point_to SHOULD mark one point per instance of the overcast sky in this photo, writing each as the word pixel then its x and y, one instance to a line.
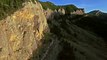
pixel 88 5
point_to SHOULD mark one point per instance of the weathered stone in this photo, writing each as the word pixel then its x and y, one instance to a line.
pixel 61 11
pixel 48 13
pixel 21 32
pixel 78 12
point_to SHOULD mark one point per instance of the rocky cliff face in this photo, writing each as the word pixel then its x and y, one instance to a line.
pixel 21 33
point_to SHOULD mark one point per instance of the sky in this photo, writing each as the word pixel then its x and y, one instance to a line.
pixel 88 5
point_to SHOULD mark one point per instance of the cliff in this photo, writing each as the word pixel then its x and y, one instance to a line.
pixel 21 33
pixel 32 33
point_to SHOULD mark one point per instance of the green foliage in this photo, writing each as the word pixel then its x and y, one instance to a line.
pixel 7 7
pixel 68 8
pixel 48 4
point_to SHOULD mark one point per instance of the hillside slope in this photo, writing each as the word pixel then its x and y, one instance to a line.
pixel 67 41
pixel 28 35
pixel 75 42
pixel 93 23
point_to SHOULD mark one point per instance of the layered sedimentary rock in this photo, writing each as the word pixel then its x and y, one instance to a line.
pixel 21 33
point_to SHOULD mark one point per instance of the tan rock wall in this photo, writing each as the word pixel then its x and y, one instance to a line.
pixel 21 33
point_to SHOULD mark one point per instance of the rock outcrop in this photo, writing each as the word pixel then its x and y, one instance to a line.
pixel 48 13
pixel 78 12
pixel 21 33
pixel 61 11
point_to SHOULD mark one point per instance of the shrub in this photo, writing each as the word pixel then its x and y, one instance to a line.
pixel 7 7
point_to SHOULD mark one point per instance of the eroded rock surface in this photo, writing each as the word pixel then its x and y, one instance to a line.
pixel 21 33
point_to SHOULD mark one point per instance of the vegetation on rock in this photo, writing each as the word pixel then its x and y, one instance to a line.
pixel 8 7
pixel 68 8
